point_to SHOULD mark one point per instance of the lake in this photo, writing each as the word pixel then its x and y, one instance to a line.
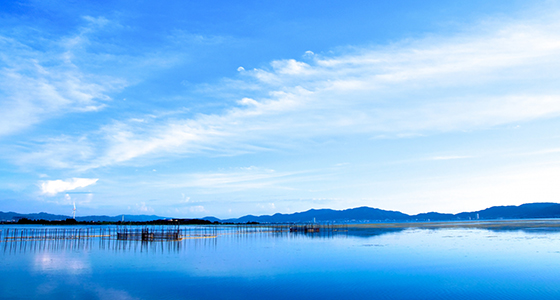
pixel 223 263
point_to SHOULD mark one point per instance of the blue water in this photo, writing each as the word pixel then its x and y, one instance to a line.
pixel 405 264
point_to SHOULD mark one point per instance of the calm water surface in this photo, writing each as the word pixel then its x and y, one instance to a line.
pixel 366 264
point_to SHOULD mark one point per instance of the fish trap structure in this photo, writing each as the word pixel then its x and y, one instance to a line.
pixel 305 228
pixel 149 234
pixel 318 230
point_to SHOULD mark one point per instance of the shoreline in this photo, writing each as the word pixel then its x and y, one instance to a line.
pixel 478 224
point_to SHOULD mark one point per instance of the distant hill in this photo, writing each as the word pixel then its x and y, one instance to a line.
pixel 524 211
pixel 354 215
pixel 211 219
pixel 132 218
pixel 368 214
pixel 9 216
pixel 327 215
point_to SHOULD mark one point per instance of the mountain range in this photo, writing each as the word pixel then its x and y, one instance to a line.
pixel 368 214
pixel 353 215
pixel 9 216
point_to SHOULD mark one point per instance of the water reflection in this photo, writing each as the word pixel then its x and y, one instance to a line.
pixel 46 262
pixel 15 240
pixel 103 244
pixel 267 263
pixel 130 239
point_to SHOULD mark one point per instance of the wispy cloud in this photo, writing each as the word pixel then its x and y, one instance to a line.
pixel 63 152
pixel 449 157
pixel 543 152
pixel 238 179
pixel 37 84
pixel 497 73
pixel 143 208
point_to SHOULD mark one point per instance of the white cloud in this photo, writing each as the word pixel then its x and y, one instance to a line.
pixel 238 179
pixel 197 209
pixel 268 206
pixel 53 187
pixel 37 85
pixel 99 21
pixel 290 67
pixel 308 53
pixel 543 152
pixel 143 208
pixel 63 152
pixel 248 102
pixel 499 73
pixel 67 199
pixel 450 157
pixel 241 179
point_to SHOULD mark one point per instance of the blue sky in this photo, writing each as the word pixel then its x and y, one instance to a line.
pixel 228 108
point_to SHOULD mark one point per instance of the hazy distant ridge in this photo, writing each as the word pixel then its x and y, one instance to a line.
pixel 327 215
pixel 7 216
pixel 359 214
pixel 364 214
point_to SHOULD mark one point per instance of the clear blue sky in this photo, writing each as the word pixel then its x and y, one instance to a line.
pixel 228 108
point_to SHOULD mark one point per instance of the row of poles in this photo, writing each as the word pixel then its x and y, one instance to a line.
pixel 14 240
pixel 41 246
pixel 156 232
pixel 54 233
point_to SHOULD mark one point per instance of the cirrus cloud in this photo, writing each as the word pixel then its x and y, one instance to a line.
pixel 475 80
pixel 496 73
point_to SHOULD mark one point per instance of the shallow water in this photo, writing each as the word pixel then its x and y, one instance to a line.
pixel 372 264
